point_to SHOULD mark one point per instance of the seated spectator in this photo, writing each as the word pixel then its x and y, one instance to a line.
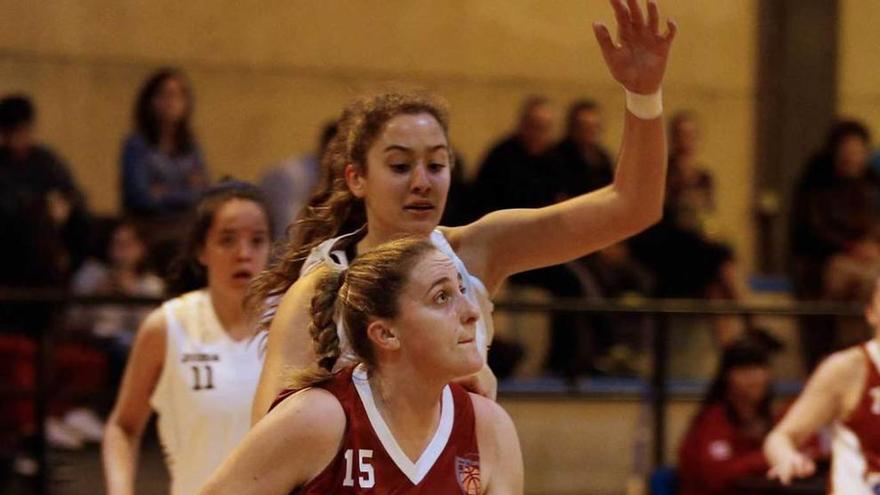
pixel 519 172
pixel 834 217
pixel 288 185
pixel 690 189
pixel 43 214
pixel 583 164
pixel 515 172
pixel 122 271
pixel 724 440
pixel 45 226
pixel 681 249
pixel 162 168
pixel 617 339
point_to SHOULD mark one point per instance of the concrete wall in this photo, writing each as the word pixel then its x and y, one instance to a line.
pixel 266 74
pixel 588 446
pixel 859 49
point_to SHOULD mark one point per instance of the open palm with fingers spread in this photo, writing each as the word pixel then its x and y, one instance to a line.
pixel 637 60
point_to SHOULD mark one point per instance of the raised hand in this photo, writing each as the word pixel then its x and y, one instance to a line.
pixel 794 465
pixel 638 59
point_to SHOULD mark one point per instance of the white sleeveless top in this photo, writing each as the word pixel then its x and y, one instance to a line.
pixel 204 394
pixel 327 254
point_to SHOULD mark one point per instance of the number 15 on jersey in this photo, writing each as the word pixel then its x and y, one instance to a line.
pixel 366 477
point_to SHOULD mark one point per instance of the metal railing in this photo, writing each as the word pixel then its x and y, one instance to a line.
pixel 660 309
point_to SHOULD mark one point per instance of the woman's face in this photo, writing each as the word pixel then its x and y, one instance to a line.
pixel 686 136
pixel 126 248
pixel 171 101
pixel 436 323
pixel 236 245
pixel 406 180
pixel 852 157
pixel 748 384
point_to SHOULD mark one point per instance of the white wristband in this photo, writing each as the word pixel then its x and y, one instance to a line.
pixel 645 107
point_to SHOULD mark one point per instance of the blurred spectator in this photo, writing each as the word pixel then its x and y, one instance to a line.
pixel 680 249
pixel 108 330
pixel 121 271
pixel 43 214
pixel 288 185
pixel 45 228
pixel 519 172
pixel 78 372
pixel 583 164
pixel 515 173
pixel 163 171
pixel 162 166
pixel 690 190
pixel 833 218
pixel 617 340
pixel 723 443
pixel 459 201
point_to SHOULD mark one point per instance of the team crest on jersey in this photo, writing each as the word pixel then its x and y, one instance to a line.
pixel 467 471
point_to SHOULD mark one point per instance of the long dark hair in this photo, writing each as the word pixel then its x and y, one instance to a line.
pixel 187 273
pixel 746 351
pixel 146 120
pixel 819 170
pixel 333 209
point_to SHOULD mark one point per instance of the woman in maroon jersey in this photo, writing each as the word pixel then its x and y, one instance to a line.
pixel 394 423
pixel 843 393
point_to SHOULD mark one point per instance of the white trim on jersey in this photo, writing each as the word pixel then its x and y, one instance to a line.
pixel 873 349
pixel 415 472
pixel 847 463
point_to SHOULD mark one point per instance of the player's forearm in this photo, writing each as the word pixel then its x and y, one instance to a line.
pixel 120 456
pixel 640 178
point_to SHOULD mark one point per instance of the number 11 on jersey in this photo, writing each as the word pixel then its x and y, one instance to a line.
pixel 365 478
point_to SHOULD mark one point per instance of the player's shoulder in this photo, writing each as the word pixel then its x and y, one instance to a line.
pixel 154 327
pixel 842 366
pixel 489 415
pixel 315 412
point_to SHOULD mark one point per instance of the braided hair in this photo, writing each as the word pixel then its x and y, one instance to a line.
pixel 368 290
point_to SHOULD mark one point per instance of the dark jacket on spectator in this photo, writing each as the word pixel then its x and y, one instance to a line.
pixel 577 174
pixel 511 178
pixel 831 214
pixel 35 250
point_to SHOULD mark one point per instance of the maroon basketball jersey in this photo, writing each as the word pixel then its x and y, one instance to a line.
pixel 855 466
pixel 371 462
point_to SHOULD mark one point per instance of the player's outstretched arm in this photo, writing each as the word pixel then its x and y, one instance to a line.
pixel 501 465
pixel 289 447
pixel 511 241
pixel 818 405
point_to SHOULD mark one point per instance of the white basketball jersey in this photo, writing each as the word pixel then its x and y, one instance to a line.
pixel 204 394
pixel 328 254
